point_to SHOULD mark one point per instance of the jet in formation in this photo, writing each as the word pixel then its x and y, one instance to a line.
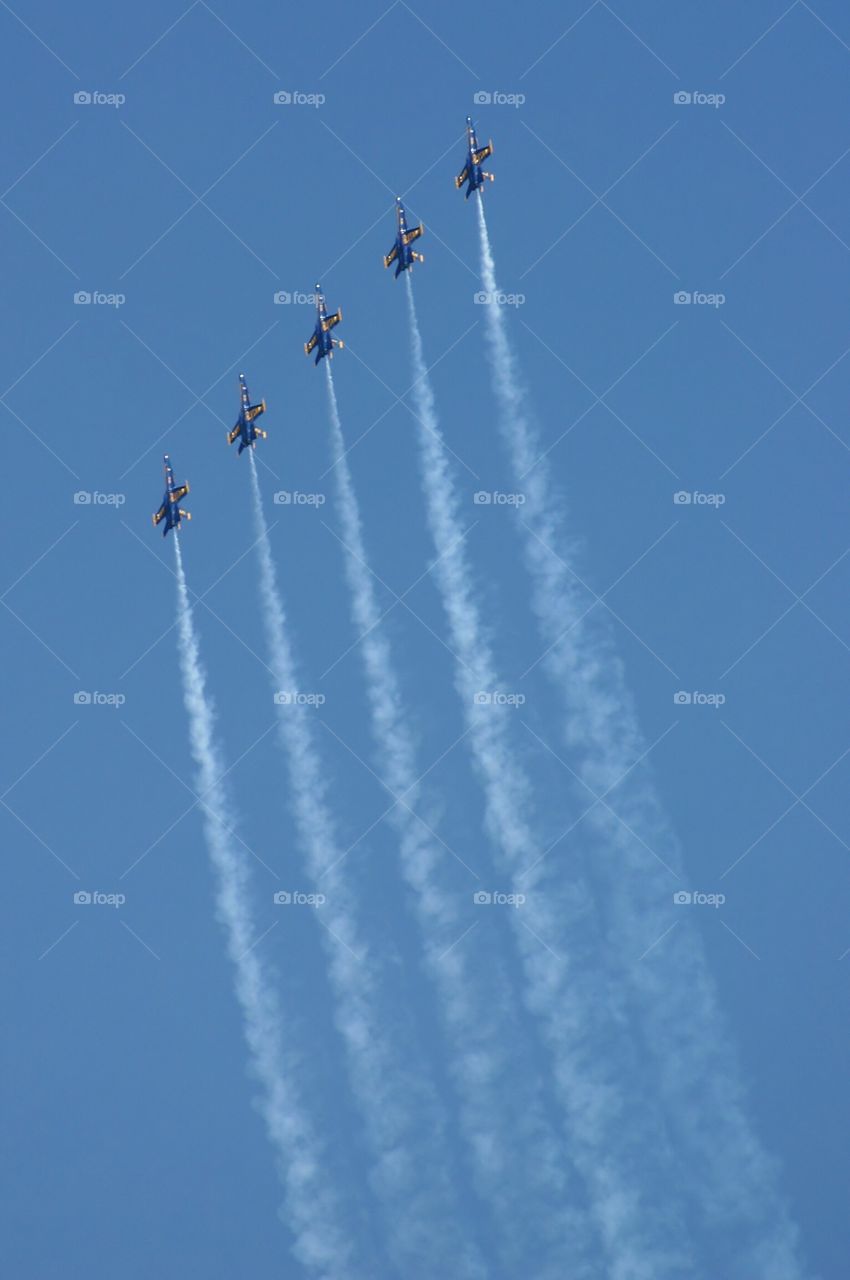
pixel 401 253
pixel 322 337
pixel 245 431
pixel 472 172
pixel 171 511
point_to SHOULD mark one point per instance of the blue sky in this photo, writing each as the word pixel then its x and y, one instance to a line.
pixel 197 199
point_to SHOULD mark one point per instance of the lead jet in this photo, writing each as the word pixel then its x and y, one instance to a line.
pixel 472 171
pixel 322 333
pixel 171 511
pixel 401 253
pixel 245 430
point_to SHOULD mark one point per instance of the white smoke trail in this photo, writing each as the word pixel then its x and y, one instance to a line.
pixel 520 1168
pixel 730 1180
pixel 642 1239
pixel 405 1126
pixel 312 1211
pixel 613 1150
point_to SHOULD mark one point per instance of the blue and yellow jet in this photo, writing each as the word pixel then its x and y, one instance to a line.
pixel 475 155
pixel 245 430
pixel 171 511
pixel 322 333
pixel 401 253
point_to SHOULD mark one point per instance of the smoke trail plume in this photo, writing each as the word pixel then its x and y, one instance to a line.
pixel 518 1165
pixel 311 1210
pixel 612 1147
pixel 730 1180
pixel 404 1124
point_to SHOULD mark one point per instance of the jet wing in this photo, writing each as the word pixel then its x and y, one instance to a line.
pixel 255 410
pixel 234 434
pixel 482 153
pixel 462 177
pixel 308 346
pixel 391 256
pixel 160 515
pixel 413 233
pixel 330 321
pixel 177 494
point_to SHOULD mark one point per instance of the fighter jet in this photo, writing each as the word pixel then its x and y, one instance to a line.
pixel 170 511
pixel 245 430
pixel 322 333
pixel 401 253
pixel 472 171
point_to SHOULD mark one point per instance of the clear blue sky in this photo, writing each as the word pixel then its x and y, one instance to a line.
pixel 129 1117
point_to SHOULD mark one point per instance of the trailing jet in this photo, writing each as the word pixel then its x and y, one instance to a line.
pixel 472 171
pixel 401 253
pixel 170 511
pixel 322 333
pixel 245 430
